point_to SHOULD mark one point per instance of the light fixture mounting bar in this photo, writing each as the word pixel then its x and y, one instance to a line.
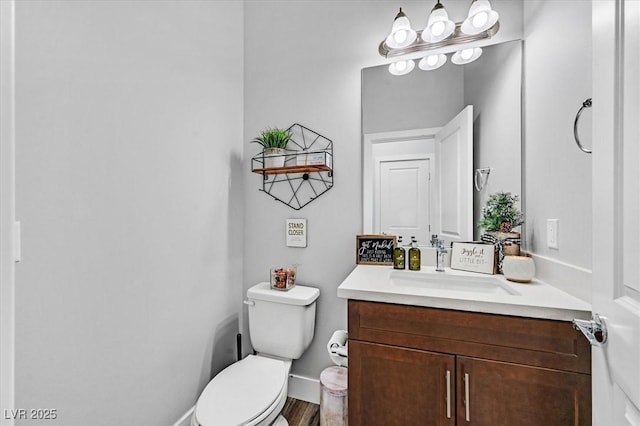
pixel 419 45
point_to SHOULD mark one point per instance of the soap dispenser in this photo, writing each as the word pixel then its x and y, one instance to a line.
pixel 414 255
pixel 399 255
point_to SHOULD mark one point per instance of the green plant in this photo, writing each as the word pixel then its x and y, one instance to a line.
pixel 500 213
pixel 273 138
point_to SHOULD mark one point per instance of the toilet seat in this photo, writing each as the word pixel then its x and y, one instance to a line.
pixel 242 392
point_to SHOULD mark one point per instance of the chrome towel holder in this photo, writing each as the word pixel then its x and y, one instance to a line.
pixel 586 104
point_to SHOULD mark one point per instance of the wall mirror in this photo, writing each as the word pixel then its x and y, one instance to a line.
pixel 437 143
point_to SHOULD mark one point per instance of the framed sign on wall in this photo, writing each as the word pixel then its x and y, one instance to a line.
pixel 296 232
pixel 375 249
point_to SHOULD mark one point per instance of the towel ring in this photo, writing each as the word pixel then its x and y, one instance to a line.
pixel 586 104
pixel 480 178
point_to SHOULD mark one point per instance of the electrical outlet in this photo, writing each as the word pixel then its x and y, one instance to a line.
pixel 552 233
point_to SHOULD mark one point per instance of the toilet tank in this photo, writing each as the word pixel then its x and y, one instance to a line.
pixel 282 323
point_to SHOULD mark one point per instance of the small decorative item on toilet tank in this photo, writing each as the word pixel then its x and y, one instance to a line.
pixel 283 278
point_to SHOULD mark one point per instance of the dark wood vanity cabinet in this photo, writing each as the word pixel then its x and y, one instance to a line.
pixel 421 366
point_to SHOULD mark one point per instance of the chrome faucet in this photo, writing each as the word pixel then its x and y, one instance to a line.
pixel 441 250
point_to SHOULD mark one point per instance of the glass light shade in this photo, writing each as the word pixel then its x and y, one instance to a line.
pixel 439 26
pixel 402 35
pixel 466 56
pixel 432 62
pixel 480 18
pixel 402 67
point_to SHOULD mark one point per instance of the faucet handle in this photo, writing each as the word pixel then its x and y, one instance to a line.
pixel 441 247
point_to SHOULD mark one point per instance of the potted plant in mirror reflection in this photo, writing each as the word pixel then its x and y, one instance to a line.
pixel 499 217
pixel 274 143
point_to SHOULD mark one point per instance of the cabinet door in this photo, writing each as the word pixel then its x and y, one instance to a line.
pixel 397 386
pixel 499 393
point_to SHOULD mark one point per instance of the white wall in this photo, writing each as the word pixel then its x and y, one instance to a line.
pixel 309 72
pixel 557 67
pixel 420 99
pixel 493 85
pixel 129 151
pixel 308 75
pixel 7 210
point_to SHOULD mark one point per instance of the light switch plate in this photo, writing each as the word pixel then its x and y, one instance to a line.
pixel 552 233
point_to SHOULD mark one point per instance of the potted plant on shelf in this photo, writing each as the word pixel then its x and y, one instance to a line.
pixel 274 143
pixel 499 216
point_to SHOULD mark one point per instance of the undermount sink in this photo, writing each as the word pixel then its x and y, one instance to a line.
pixel 451 282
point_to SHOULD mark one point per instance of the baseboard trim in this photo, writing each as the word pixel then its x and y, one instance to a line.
pixel 569 278
pixel 185 420
pixel 304 388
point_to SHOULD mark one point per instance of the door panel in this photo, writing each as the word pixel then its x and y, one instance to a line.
pixel 501 393
pixel 454 155
pixel 397 386
pixel 616 209
pixel 404 198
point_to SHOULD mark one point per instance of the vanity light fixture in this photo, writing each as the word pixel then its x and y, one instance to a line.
pixel 402 67
pixel 439 26
pixel 401 35
pixel 432 62
pixel 481 17
pixel 481 23
pixel 466 56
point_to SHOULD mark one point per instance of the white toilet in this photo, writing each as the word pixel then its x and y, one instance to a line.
pixel 253 391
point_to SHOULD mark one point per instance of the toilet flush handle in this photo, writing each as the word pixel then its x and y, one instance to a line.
pixel 249 302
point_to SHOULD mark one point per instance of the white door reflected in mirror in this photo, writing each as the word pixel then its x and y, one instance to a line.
pixel 420 181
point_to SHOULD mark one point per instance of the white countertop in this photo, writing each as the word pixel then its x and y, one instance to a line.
pixel 534 300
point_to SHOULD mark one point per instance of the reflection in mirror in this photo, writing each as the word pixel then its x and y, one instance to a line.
pixel 419 160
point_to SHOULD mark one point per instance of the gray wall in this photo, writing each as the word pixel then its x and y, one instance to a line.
pixel 558 174
pixel 493 85
pixel 311 73
pixel 418 100
pixel 129 151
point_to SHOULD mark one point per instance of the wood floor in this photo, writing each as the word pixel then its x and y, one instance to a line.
pixel 301 413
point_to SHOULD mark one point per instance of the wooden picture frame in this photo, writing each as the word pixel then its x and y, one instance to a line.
pixel 474 257
pixel 374 249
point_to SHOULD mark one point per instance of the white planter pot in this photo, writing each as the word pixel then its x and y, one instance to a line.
pixel 274 157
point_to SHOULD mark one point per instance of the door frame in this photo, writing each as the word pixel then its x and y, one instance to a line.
pixel 369 168
pixel 7 208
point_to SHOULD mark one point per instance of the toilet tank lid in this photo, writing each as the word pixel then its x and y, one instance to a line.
pixel 298 295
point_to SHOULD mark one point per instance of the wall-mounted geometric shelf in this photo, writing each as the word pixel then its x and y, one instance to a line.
pixel 307 172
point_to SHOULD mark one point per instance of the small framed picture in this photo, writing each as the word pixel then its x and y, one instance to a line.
pixel 375 249
pixel 473 257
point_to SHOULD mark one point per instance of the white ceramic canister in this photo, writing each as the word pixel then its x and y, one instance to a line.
pixel 520 269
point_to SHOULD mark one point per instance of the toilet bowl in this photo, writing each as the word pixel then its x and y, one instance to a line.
pixel 250 392
pixel 253 391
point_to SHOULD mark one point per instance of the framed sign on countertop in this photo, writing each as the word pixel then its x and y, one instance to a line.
pixel 375 249
pixel 473 257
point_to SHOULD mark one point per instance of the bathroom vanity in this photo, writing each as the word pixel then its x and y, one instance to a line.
pixel 498 354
